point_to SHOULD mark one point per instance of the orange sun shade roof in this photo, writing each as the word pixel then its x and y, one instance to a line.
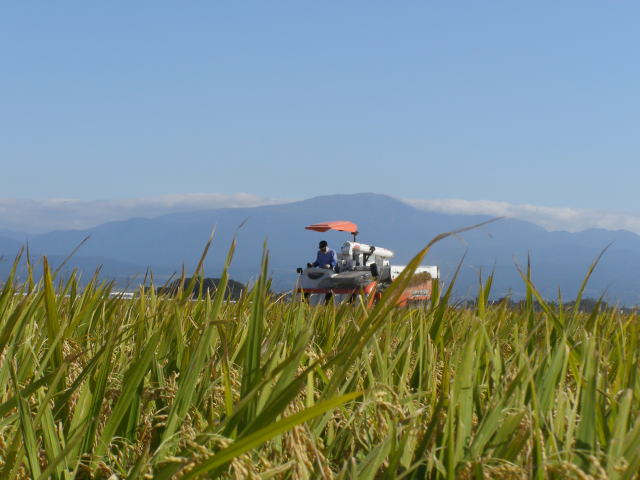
pixel 340 225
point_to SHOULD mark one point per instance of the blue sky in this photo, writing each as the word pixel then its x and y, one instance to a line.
pixel 534 103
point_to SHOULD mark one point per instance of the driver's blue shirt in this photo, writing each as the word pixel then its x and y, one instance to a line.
pixel 327 258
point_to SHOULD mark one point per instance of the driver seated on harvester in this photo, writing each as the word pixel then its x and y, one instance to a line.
pixel 326 258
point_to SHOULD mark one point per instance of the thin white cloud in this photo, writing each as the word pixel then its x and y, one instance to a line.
pixel 551 218
pixel 36 216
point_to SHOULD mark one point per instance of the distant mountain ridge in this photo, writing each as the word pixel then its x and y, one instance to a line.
pixel 166 243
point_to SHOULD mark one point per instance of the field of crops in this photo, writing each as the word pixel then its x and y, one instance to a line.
pixel 159 387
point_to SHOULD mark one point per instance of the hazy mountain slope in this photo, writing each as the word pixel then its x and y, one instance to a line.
pixel 9 246
pixel 13 235
pixel 124 273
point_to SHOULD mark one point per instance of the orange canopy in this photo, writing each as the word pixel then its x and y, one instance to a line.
pixel 340 225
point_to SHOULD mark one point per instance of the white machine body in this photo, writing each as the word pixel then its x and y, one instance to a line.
pixel 433 270
pixel 356 254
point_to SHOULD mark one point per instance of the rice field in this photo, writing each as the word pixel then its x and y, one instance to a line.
pixel 167 387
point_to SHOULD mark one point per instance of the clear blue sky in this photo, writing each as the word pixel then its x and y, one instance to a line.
pixel 524 102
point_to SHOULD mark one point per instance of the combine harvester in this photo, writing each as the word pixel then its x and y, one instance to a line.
pixel 362 269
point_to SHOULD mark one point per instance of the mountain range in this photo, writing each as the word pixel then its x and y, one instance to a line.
pixel 166 244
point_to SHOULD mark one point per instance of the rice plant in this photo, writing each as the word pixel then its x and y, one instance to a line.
pixel 96 386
